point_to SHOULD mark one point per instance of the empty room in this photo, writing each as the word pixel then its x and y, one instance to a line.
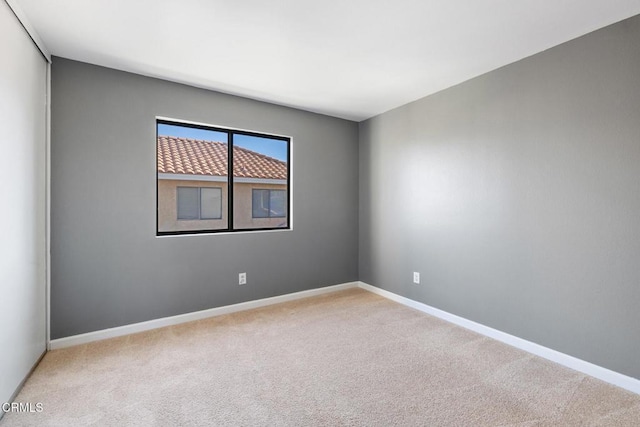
pixel 320 213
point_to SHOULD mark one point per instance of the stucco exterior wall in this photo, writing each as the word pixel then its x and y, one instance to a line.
pixel 242 207
pixel 168 207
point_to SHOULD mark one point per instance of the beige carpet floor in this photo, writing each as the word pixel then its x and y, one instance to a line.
pixel 348 358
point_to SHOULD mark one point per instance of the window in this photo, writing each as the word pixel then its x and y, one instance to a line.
pixel 199 203
pixel 197 194
pixel 269 203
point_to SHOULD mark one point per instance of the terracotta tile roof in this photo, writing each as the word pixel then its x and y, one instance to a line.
pixel 196 157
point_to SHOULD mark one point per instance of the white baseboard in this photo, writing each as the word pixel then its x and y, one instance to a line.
pixel 189 317
pixel 604 374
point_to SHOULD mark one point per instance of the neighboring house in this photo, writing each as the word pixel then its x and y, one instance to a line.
pixel 192 187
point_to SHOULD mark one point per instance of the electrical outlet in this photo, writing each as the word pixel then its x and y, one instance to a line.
pixel 242 279
pixel 416 277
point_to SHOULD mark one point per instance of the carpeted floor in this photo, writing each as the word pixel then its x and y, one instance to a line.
pixel 347 358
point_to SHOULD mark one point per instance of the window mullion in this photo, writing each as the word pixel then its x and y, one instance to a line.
pixel 230 181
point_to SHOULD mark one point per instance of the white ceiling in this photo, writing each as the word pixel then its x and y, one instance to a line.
pixel 351 58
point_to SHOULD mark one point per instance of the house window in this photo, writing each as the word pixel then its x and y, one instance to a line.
pixel 269 203
pixel 196 193
pixel 199 202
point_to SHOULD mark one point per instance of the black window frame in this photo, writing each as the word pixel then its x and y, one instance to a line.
pixel 230 179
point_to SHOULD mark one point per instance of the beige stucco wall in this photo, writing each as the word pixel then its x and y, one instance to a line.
pixel 168 207
pixel 242 209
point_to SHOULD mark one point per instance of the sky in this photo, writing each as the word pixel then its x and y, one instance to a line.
pixel 270 147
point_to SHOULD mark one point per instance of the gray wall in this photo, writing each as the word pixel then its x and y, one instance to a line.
pixel 23 84
pixel 517 196
pixel 109 269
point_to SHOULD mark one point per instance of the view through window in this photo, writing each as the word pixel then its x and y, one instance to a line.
pixel 197 194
